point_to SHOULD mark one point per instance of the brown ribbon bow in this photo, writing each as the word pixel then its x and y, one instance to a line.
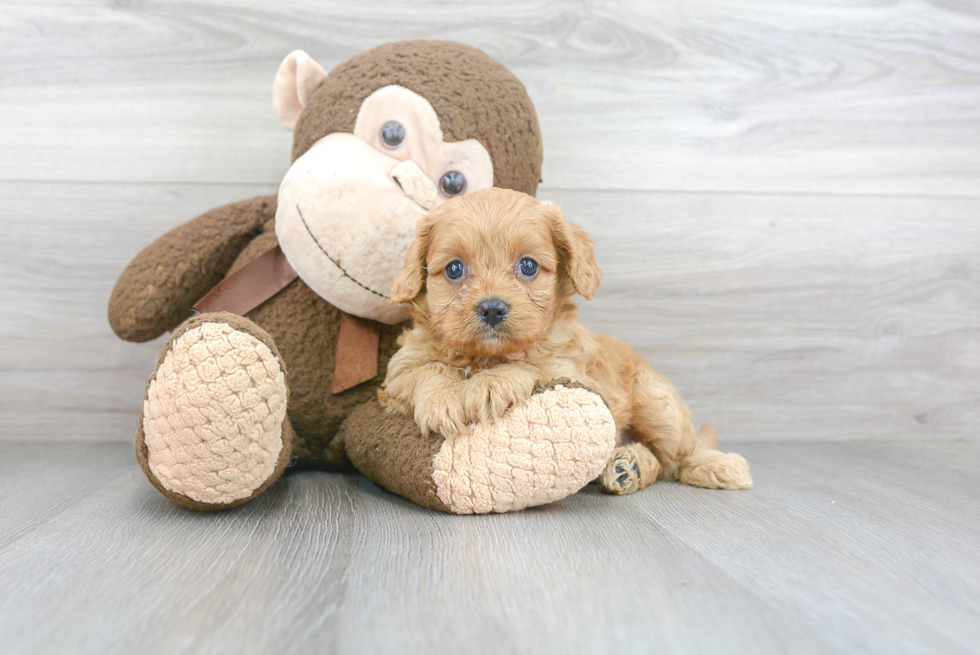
pixel 356 359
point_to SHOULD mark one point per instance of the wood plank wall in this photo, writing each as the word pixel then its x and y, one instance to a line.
pixel 785 194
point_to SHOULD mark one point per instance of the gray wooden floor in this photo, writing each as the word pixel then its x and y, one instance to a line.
pixel 846 547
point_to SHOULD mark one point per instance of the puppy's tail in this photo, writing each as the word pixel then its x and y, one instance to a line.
pixel 708 437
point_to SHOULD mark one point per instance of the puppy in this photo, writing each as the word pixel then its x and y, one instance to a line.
pixel 491 277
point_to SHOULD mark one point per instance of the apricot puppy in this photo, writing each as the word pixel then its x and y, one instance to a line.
pixel 491 277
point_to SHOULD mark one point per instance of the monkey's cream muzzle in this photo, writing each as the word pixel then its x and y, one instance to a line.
pixel 349 206
pixel 345 224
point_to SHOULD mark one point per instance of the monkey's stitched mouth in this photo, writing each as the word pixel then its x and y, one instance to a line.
pixel 334 261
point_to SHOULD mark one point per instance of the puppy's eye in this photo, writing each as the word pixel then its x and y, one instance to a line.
pixel 392 134
pixel 455 270
pixel 528 267
pixel 452 183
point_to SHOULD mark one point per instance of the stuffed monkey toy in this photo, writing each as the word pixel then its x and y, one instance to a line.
pixel 293 330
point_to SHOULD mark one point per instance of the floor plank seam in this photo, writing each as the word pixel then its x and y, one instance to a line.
pixel 63 507
pixel 542 190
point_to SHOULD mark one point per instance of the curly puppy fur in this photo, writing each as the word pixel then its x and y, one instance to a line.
pixel 489 326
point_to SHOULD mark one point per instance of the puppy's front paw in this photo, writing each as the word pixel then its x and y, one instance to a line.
pixel 487 396
pixel 442 413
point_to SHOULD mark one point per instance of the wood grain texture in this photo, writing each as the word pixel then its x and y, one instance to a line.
pixel 63 374
pixel 40 480
pixel 785 201
pixel 845 548
pixel 872 97
pixel 778 317
pixel 799 317
pixel 872 539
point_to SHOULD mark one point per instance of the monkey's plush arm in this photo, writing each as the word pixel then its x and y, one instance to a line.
pixel 160 286
pixel 539 451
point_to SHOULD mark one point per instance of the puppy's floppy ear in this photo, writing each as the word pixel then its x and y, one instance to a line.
pixel 408 283
pixel 576 250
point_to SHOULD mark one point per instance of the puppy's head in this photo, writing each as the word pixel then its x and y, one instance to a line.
pixel 490 272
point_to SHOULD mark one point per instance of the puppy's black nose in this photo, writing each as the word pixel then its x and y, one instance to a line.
pixel 492 311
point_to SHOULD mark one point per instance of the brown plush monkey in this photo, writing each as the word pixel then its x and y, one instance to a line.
pixel 291 370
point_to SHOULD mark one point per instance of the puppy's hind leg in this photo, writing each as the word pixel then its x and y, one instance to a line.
pixel 662 422
pixel 713 469
pixel 629 469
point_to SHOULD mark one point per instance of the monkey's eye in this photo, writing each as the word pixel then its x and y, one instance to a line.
pixel 452 183
pixel 455 270
pixel 392 134
pixel 528 267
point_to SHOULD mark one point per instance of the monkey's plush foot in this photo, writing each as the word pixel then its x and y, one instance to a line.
pixel 629 469
pixel 538 452
pixel 214 432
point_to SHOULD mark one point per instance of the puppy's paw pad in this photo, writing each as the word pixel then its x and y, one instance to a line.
pixel 622 473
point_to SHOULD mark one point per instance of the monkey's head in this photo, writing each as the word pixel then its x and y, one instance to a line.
pixel 379 142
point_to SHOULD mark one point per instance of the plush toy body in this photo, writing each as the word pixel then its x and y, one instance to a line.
pixel 294 371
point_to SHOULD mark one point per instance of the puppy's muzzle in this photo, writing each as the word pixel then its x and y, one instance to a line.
pixel 492 311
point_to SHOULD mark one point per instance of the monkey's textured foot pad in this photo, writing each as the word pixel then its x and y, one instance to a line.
pixel 213 415
pixel 537 453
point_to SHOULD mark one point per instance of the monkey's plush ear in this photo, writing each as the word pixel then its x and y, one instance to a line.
pixel 408 283
pixel 298 76
pixel 576 250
